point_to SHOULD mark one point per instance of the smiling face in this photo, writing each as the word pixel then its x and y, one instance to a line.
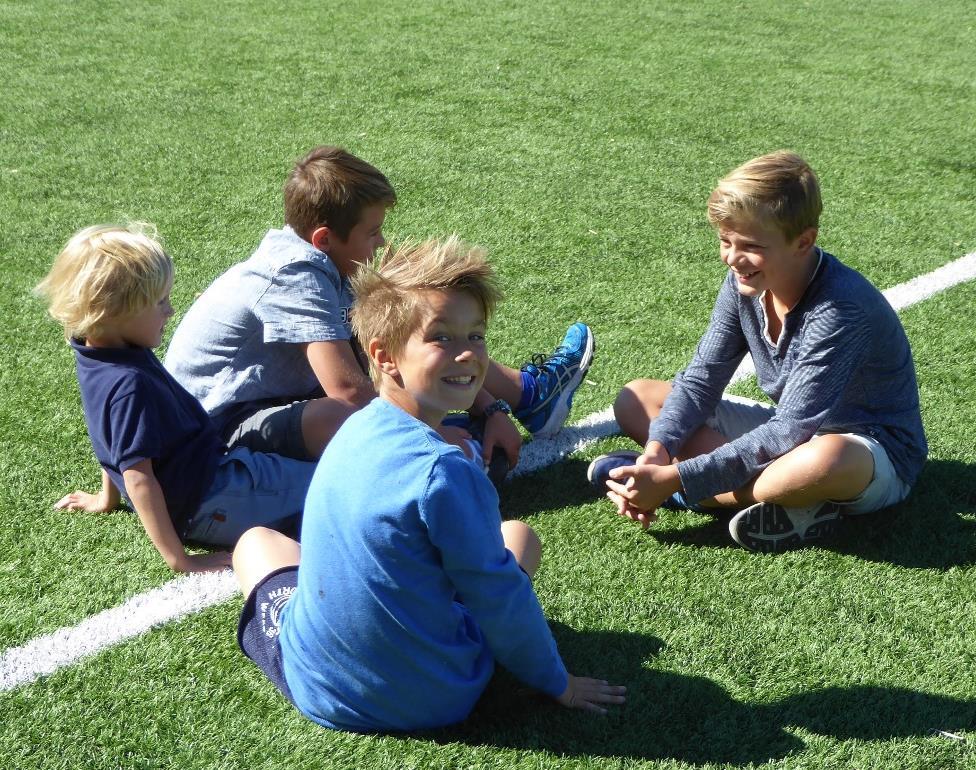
pixel 443 363
pixel 762 259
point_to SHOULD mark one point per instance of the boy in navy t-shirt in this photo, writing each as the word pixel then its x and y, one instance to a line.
pixel 410 587
pixel 109 287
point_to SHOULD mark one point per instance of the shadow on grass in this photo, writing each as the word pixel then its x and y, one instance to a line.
pixel 927 531
pixel 689 719
pixel 562 485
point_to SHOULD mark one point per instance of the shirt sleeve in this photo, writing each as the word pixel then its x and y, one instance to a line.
pixel 135 428
pixel 834 343
pixel 697 390
pixel 461 513
pixel 305 303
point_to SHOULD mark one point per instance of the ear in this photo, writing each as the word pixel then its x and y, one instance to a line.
pixel 805 240
pixel 321 238
pixel 381 358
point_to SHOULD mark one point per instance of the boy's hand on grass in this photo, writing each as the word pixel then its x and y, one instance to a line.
pixel 501 431
pixel 590 694
pixel 79 500
pixel 203 562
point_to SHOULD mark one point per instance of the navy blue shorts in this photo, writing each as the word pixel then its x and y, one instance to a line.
pixel 257 632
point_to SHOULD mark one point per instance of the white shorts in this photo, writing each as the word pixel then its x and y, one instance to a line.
pixel 736 415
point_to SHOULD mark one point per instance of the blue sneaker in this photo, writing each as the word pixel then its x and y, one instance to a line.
pixel 598 473
pixel 557 378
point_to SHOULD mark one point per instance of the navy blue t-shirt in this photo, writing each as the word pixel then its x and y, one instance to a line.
pixel 135 411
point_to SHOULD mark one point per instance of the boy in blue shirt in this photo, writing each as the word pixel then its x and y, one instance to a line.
pixel 406 587
pixel 845 436
pixel 109 288
pixel 271 336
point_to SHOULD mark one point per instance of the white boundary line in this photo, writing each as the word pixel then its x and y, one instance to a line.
pixel 192 593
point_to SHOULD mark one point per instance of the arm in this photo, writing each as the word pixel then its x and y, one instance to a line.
pixel 147 498
pixel 696 391
pixel 106 500
pixel 338 372
pixel 829 350
pixel 638 490
pixel 462 521
pixel 500 431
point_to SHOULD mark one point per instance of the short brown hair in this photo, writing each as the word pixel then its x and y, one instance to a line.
pixel 779 189
pixel 330 187
pixel 390 295
pixel 105 272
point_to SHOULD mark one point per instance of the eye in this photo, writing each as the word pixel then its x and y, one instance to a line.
pixel 476 337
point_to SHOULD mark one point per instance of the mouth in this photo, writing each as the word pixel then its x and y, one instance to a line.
pixel 462 380
pixel 744 276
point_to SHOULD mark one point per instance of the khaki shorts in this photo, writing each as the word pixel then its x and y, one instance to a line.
pixel 736 415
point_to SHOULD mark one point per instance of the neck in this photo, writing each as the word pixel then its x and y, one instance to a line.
pixel 784 300
pixel 402 400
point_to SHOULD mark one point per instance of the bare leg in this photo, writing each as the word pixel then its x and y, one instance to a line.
pixel 504 382
pixel 524 544
pixel 640 402
pixel 637 404
pixel 828 467
pixel 321 419
pixel 259 552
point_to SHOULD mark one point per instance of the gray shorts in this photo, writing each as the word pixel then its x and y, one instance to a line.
pixel 736 415
pixel 275 429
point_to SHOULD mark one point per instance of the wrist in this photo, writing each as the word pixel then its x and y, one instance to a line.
pixel 498 406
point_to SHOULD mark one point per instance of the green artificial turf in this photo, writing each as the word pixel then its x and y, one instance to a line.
pixel 578 143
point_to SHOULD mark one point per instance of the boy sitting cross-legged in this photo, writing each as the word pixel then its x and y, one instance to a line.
pixel 269 351
pixel 845 435
pixel 109 288
pixel 407 587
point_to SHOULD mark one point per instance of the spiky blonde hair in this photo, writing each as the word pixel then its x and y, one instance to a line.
pixel 390 295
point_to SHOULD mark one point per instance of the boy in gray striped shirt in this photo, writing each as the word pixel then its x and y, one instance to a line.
pixel 845 435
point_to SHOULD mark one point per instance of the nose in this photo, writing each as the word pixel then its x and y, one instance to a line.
pixel 729 255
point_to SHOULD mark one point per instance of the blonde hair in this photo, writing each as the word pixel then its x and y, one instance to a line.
pixel 778 189
pixel 390 294
pixel 105 271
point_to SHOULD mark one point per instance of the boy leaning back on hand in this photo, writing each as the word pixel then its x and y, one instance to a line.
pixel 109 288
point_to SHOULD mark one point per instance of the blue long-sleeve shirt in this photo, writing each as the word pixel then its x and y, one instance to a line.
pixel 842 364
pixel 406 594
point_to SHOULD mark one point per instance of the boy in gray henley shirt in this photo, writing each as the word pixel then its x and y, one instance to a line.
pixel 845 435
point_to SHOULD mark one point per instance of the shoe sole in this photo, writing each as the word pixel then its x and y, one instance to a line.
pixel 564 401
pixel 766 528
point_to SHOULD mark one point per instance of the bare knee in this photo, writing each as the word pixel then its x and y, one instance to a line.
pixel 259 552
pixel 524 544
pixel 321 418
pixel 637 404
pixel 828 467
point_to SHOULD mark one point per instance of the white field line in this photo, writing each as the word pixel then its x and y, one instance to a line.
pixel 193 593
pixel 598 425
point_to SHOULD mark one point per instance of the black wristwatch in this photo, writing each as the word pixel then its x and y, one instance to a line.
pixel 497 406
